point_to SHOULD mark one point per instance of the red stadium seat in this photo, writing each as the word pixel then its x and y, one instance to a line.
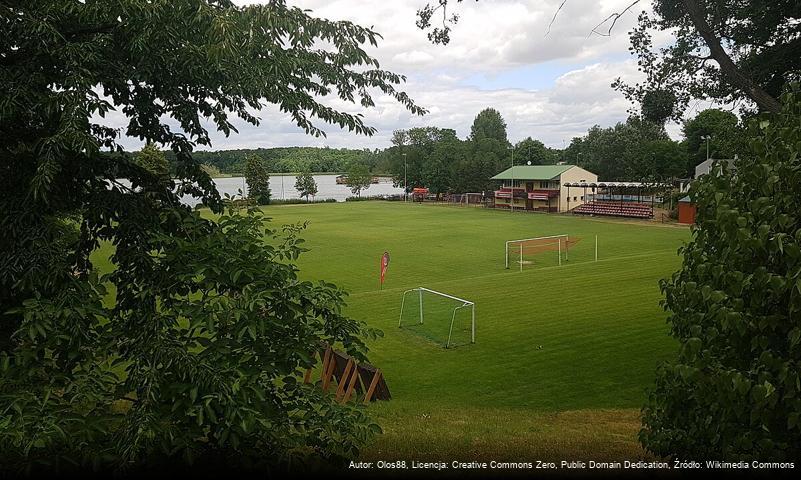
pixel 613 209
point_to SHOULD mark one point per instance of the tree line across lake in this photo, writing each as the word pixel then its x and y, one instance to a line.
pixel 289 159
pixel 436 158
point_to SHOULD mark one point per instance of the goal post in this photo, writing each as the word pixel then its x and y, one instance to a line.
pixel 549 250
pixel 523 246
pixel 471 198
pixel 436 316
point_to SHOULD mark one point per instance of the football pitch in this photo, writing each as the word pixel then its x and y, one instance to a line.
pixel 563 354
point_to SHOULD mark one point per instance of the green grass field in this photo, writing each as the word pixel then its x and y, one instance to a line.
pixel 563 354
pixel 599 325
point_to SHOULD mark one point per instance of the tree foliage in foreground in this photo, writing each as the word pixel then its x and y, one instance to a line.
pixel 735 306
pixel 216 382
pixel 155 372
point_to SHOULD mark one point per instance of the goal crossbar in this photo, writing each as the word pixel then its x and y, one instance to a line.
pixel 465 303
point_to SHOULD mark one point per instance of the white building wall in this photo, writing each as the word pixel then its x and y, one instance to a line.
pixel 573 175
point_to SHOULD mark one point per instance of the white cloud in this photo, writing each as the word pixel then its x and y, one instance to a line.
pixel 490 34
pixel 549 87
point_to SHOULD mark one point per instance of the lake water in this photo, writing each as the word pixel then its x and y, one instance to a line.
pixel 283 187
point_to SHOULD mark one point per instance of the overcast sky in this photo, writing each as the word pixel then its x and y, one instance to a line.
pixel 552 87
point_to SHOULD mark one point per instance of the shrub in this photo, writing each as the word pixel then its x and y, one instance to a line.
pixel 734 391
pixel 374 197
pixel 298 201
pixel 235 327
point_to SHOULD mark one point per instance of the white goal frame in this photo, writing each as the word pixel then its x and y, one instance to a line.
pixel 465 304
pixel 556 240
pixel 465 200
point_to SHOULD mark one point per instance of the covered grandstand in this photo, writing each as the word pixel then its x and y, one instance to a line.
pixel 618 199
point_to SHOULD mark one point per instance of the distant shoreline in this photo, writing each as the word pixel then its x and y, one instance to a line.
pixel 285 174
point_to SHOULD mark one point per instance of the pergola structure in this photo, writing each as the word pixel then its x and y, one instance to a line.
pixel 622 188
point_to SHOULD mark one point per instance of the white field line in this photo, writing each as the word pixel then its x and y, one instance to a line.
pixel 525 272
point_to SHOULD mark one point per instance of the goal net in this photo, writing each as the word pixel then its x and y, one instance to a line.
pixel 552 250
pixel 447 320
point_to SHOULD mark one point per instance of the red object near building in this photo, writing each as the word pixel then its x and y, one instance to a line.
pixel 419 194
pixel 686 211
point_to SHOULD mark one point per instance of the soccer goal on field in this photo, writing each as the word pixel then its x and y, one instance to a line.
pixel 471 199
pixel 550 250
pixel 442 318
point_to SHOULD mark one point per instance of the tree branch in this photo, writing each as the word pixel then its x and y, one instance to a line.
pixel 554 16
pixel 614 17
pixel 764 100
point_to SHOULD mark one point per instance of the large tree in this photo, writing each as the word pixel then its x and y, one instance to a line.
pixel 734 391
pixel 728 51
pixel 306 185
pixel 411 152
pixel 726 137
pixel 152 159
pixel 533 151
pixel 440 167
pixel 485 158
pixel 258 179
pixel 630 151
pixel 489 153
pixel 358 178
pixel 489 124
pixel 196 354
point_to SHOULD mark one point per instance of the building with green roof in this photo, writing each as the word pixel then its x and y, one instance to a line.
pixel 542 187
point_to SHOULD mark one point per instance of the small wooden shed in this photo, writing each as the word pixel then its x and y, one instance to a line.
pixel 686 211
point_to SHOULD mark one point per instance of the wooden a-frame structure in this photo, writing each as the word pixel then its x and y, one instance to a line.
pixel 349 377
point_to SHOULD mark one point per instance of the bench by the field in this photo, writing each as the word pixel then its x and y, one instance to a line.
pixel 349 377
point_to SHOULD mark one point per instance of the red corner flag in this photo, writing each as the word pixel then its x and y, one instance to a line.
pixel 383 268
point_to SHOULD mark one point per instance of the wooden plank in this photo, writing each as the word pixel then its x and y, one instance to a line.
pixel 326 359
pixel 352 385
pixel 369 394
pixel 328 374
pixel 344 379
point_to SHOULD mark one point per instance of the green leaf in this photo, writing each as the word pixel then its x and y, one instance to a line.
pixel 794 336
